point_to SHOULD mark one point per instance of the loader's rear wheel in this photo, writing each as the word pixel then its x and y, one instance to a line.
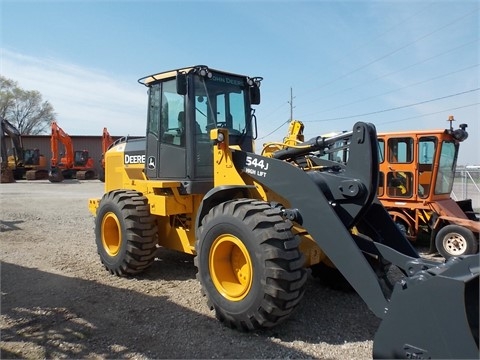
pixel 126 233
pixel 455 240
pixel 249 264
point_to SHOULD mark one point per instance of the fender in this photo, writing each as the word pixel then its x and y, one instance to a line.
pixel 221 194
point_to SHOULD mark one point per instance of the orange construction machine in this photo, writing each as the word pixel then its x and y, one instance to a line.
pixel 417 170
pixel 70 163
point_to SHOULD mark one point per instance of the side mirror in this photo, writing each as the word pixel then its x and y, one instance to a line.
pixel 255 95
pixel 181 84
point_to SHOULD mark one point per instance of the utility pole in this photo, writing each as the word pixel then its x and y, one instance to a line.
pixel 291 104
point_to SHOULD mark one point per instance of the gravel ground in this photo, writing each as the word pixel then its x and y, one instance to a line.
pixel 57 301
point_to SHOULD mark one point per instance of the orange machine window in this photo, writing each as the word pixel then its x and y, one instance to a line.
pixel 426 155
pixel 381 150
pixel 399 184
pixel 400 150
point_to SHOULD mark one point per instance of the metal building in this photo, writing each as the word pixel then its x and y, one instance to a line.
pixel 80 142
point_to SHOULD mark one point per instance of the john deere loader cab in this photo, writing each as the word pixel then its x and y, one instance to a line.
pixel 184 105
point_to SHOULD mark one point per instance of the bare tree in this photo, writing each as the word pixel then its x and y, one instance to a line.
pixel 25 109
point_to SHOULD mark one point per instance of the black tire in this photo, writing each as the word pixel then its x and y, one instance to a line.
pixel 126 233
pixel 455 240
pixel 402 227
pixel 249 264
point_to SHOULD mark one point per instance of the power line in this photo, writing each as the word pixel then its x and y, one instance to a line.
pixel 371 41
pixel 393 72
pixel 394 90
pixel 434 113
pixel 383 57
pixel 395 108
pixel 275 130
pixel 393 121
pixel 394 51
pixel 275 110
pixel 401 22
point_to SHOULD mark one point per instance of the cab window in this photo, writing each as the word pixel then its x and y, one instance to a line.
pixel 400 150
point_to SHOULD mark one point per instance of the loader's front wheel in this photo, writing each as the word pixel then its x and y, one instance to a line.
pixel 125 232
pixel 249 264
pixel 455 240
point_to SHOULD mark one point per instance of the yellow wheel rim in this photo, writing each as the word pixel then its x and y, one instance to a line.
pixel 230 267
pixel 111 234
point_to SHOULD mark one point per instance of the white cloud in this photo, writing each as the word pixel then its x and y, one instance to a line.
pixel 85 100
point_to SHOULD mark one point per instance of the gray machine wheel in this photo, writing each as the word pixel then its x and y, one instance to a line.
pixel 126 233
pixel 249 264
pixel 455 240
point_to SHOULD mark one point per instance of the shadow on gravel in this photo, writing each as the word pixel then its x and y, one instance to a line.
pixel 10 225
pixel 328 316
pixel 170 265
pixel 324 315
pixel 66 317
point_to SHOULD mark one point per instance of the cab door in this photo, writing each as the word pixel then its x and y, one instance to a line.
pixel 400 157
pixel 166 135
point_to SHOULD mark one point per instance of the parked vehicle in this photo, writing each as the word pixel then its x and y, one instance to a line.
pixel 71 163
pixel 257 223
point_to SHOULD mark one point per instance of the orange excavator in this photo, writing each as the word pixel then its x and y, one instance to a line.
pixel 107 140
pixel 70 163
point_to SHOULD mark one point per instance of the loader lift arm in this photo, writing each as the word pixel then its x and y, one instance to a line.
pixel 344 197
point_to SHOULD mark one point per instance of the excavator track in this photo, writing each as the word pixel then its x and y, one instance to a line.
pixel 85 175
pixel 36 175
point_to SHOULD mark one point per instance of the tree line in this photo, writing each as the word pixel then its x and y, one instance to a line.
pixel 25 109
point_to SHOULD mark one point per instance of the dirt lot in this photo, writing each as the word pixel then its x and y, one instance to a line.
pixel 57 301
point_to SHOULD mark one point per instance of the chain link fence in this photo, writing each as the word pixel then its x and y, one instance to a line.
pixel 467 186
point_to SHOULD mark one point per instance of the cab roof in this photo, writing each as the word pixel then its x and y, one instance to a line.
pixel 149 79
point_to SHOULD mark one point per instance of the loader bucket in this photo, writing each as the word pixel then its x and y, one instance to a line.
pixel 433 315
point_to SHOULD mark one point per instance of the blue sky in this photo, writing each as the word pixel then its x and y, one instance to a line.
pixel 402 65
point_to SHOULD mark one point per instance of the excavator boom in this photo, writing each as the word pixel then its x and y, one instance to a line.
pixel 58 135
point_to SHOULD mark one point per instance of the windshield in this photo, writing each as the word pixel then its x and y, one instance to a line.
pixel 220 103
pixel 446 168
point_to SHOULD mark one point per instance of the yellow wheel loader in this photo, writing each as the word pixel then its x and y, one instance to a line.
pixel 257 223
